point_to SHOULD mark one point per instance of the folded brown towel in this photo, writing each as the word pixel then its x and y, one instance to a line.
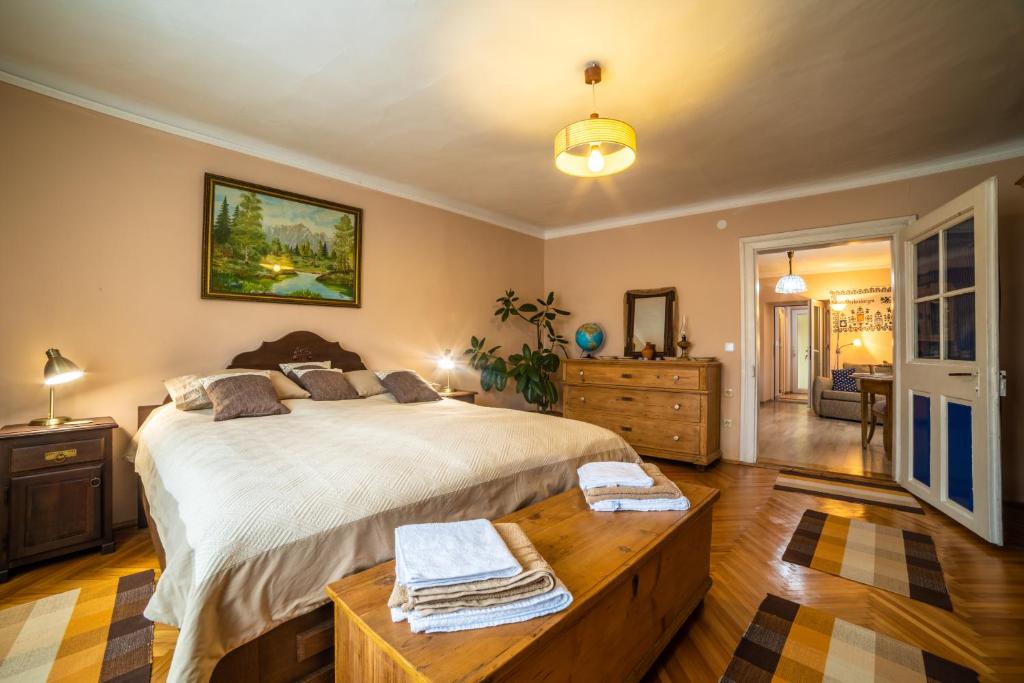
pixel 663 488
pixel 536 578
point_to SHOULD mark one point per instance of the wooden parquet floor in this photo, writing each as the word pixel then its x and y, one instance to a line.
pixel 752 526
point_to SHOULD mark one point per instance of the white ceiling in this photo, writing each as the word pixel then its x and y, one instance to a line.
pixel 456 103
pixel 835 259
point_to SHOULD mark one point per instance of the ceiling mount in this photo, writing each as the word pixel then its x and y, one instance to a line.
pixel 592 74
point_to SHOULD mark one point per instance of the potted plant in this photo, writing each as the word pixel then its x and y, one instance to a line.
pixel 532 370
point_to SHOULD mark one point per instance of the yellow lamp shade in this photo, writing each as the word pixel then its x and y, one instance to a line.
pixel 595 147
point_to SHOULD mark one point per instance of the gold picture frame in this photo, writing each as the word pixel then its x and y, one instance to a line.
pixel 265 244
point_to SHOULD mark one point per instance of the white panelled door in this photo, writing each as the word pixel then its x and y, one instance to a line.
pixel 948 371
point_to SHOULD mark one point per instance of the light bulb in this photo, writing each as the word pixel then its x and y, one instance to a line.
pixel 858 342
pixel 595 162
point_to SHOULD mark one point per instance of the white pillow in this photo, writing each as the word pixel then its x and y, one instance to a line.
pixel 287 367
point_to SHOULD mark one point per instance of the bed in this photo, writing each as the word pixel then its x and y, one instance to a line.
pixel 252 517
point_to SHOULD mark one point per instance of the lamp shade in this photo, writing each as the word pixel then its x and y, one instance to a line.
pixel 790 284
pixel 59 369
pixel 595 147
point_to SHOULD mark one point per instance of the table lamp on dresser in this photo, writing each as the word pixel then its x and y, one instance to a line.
pixel 58 370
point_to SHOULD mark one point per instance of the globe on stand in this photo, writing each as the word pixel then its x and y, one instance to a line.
pixel 589 337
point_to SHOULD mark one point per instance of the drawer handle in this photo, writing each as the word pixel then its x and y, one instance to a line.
pixel 626 398
pixel 675 438
pixel 95 482
pixel 626 429
pixel 675 378
pixel 60 456
pixel 627 375
pixel 675 407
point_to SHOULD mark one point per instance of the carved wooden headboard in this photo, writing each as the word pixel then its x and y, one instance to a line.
pixel 296 347
pixel 291 348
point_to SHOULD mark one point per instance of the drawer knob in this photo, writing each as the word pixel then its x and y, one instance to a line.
pixel 675 438
pixel 626 429
pixel 627 375
pixel 675 407
pixel 583 399
pixel 581 373
pixel 675 378
pixel 95 482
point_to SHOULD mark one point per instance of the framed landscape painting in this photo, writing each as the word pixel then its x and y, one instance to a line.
pixel 262 244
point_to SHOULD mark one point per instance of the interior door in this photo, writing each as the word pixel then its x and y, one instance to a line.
pixel 800 346
pixel 819 334
pixel 948 369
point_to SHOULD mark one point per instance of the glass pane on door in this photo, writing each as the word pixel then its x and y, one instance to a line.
pixel 960 256
pixel 927 261
pixel 960 341
pixel 927 313
pixel 922 439
pixel 959 458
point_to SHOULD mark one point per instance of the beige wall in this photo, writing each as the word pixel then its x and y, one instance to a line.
pixel 877 346
pixel 101 229
pixel 591 271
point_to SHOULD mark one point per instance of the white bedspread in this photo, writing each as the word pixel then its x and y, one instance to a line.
pixel 257 515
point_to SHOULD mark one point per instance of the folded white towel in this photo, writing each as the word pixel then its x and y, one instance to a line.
pixel 440 554
pixel 595 475
pixel 646 505
pixel 553 601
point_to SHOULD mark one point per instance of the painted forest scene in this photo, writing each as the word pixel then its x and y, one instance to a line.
pixel 275 248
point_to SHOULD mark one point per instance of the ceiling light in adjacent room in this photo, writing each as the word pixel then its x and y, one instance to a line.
pixel 596 146
pixel 790 284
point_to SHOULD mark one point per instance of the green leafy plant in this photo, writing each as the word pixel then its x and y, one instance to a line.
pixel 532 369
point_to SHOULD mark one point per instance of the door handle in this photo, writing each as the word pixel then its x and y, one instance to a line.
pixel 95 482
pixel 963 374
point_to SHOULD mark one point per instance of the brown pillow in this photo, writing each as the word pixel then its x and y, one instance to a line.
pixel 325 385
pixel 243 395
pixel 408 387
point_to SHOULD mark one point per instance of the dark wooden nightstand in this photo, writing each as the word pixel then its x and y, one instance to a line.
pixel 461 395
pixel 57 493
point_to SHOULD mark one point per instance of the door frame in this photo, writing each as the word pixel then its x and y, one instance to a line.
pixel 777 344
pixel 750 342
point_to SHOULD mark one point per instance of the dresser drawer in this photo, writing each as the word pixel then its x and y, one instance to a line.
pixel 636 374
pixel 662 405
pixel 55 454
pixel 681 437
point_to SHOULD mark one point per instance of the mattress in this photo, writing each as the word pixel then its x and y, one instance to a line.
pixel 257 515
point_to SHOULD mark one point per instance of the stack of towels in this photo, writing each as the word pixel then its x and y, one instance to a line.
pixel 466 575
pixel 612 486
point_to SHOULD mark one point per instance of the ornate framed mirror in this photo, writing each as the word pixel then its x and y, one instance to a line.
pixel 650 316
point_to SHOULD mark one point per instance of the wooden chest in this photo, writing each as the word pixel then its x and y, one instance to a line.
pixel 667 409
pixel 635 578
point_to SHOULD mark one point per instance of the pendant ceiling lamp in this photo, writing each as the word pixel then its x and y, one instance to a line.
pixel 790 284
pixel 596 146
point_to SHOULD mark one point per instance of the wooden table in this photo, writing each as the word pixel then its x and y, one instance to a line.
pixel 635 577
pixel 872 386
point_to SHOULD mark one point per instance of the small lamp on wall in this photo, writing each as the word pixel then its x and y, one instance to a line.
pixel 58 370
pixel 447 363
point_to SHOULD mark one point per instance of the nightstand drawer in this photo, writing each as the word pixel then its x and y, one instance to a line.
pixel 56 454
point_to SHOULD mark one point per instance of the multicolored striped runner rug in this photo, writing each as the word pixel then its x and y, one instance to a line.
pixel 788 641
pixel 850 489
pixel 900 561
pixel 95 633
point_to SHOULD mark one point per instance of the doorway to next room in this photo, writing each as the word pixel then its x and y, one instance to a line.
pixel 813 342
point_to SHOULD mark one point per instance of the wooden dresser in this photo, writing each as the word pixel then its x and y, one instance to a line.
pixel 667 408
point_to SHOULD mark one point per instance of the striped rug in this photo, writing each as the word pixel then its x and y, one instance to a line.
pixel 851 489
pixel 95 633
pixel 787 641
pixel 897 560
